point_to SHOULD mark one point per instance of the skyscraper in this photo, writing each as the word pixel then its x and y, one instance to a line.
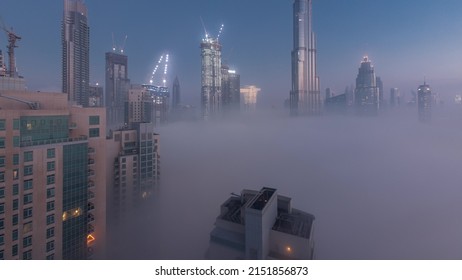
pixel 394 97
pixel 366 92
pixel 424 102
pixel 117 86
pixel 75 36
pixel 211 94
pixel 305 96
pixel 230 87
pixel 176 94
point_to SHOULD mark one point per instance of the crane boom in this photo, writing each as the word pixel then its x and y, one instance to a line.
pixel 12 38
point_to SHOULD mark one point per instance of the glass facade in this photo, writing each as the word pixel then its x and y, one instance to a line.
pixel 44 128
pixel 75 177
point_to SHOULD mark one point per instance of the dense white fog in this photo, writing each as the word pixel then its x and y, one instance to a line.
pixel 380 188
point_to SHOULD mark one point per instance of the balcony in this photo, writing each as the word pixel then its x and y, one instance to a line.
pixel 91 184
pixel 91 161
pixel 72 125
pixel 91 172
pixel 91 150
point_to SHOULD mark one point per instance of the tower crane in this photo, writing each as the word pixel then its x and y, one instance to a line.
pixel 12 38
pixel 163 59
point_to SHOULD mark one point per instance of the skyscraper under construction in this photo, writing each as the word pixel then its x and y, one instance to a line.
pixel 211 94
pixel 305 96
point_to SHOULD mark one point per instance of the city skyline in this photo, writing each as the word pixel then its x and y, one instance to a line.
pixel 397 37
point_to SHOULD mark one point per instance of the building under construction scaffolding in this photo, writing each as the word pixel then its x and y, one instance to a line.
pixel 9 77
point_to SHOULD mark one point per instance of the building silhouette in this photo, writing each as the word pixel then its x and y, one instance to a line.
pixel 117 86
pixel 305 96
pixel 231 85
pixel 366 91
pixel 424 102
pixel 176 95
pixel 75 52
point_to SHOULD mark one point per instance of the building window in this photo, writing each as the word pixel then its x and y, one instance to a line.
pixel 2 142
pixel 14 250
pixel 51 153
pixel 51 166
pixel 15 204
pixel 2 192
pixel 2 208
pixel 27 213
pixel 50 219
pixel 27 255
pixel 27 241
pixel 2 176
pixel 2 224
pixel 15 159
pixel 15 124
pixel 50 232
pixel 50 246
pixel 27 198
pixel 2 239
pixel 2 161
pixel 15 235
pixel 51 257
pixel 28 170
pixel 15 174
pixel 50 206
pixel 94 120
pixel 28 185
pixel 28 156
pixel 15 141
pixel 93 132
pixel 50 192
pixel 2 124
pixel 27 227
pixel 50 179
pixel 15 219
pixel 15 189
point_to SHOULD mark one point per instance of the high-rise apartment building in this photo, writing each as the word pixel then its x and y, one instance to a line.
pixel 211 77
pixel 261 225
pixel 424 102
pixel 95 96
pixel 366 92
pixel 133 168
pixel 52 195
pixel 305 96
pixel 117 86
pixel 230 87
pixel 75 36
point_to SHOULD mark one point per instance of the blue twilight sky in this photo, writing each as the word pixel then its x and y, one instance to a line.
pixel 405 39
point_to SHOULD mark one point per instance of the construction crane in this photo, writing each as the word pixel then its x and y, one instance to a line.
pixel 163 59
pixel 33 105
pixel 12 38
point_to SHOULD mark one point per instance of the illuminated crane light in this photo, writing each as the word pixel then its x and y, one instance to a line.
pixel 163 59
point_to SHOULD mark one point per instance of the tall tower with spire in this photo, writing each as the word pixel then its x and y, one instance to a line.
pixel 305 96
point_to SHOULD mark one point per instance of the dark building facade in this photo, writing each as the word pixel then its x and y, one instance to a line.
pixel 117 86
